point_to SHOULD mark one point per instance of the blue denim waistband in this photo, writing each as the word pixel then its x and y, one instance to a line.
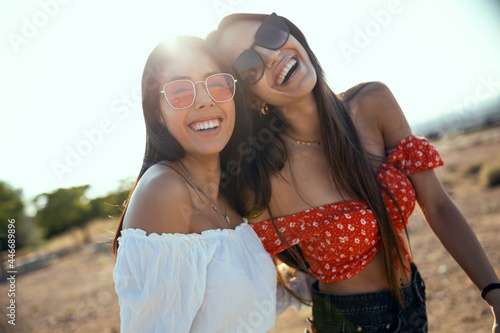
pixel 374 301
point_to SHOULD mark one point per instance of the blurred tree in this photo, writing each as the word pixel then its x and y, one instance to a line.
pixel 63 209
pixel 67 208
pixel 111 205
pixel 11 207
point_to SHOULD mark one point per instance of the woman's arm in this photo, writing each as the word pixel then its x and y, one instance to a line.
pixel 299 283
pixel 442 215
pixel 160 273
pixel 455 233
pixel 160 281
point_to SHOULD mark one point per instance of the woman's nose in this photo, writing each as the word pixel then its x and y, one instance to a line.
pixel 203 99
pixel 270 57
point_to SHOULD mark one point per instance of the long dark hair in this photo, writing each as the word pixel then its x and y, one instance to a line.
pixel 346 157
pixel 161 145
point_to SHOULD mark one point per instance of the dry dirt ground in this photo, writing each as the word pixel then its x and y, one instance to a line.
pixel 74 293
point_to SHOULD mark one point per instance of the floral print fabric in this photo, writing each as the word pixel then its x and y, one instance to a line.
pixel 339 239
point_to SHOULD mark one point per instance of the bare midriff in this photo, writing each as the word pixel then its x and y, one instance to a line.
pixel 372 278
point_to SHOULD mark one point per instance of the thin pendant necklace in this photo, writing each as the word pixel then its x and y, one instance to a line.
pixel 225 216
pixel 303 142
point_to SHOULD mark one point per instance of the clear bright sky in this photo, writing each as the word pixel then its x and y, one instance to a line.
pixel 70 70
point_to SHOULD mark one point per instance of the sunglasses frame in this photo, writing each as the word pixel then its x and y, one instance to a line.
pixel 273 16
pixel 194 89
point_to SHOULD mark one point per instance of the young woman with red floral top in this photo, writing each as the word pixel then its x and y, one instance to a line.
pixel 334 179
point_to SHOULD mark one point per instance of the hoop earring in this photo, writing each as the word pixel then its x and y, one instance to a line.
pixel 264 110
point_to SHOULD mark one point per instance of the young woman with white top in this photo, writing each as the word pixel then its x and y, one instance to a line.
pixel 186 261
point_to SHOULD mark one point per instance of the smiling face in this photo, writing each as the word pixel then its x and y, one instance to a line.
pixel 205 127
pixel 289 74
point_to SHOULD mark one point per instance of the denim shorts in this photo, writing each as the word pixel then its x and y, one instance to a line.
pixel 372 312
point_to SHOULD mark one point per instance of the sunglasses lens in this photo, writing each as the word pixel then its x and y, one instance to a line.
pixel 249 66
pixel 221 87
pixel 180 94
pixel 272 33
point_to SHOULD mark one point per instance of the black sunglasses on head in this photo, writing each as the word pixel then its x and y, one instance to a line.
pixel 272 34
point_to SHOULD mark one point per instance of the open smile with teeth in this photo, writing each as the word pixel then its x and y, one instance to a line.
pixel 206 125
pixel 287 72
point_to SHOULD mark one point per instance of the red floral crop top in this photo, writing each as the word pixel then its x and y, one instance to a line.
pixel 339 239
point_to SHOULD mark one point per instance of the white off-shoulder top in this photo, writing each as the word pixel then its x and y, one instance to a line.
pixel 216 281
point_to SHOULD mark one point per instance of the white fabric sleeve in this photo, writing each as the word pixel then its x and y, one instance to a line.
pixel 160 280
pixel 300 284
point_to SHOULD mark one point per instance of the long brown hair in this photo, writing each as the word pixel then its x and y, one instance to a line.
pixel 346 157
pixel 161 145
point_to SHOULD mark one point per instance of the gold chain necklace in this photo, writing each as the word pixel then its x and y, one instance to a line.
pixel 225 216
pixel 303 142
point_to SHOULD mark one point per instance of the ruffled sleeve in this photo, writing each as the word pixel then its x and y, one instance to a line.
pixel 414 154
pixel 160 280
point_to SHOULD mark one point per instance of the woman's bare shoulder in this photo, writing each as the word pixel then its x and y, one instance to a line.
pixel 161 202
pixel 368 95
pixel 372 104
pixel 351 93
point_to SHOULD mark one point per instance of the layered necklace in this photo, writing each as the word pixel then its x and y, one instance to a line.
pixel 225 216
pixel 303 142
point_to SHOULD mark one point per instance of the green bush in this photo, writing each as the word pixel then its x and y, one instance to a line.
pixel 472 168
pixel 490 175
pixel 11 208
pixel 112 204
pixel 62 209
